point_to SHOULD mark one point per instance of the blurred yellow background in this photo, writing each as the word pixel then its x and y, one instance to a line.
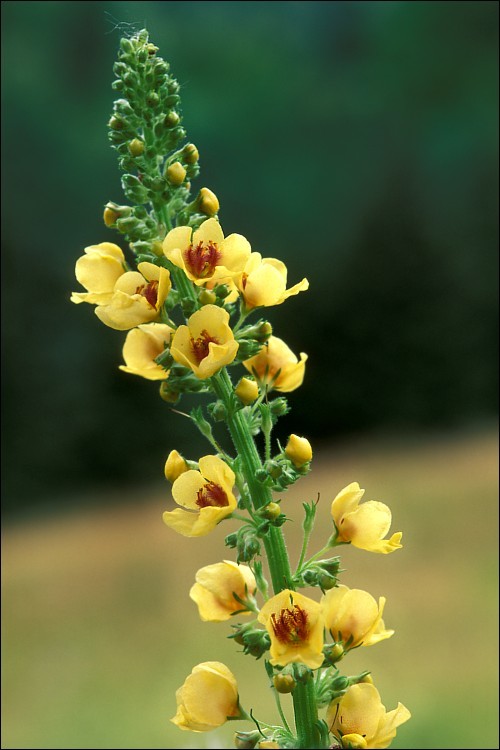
pixel 99 630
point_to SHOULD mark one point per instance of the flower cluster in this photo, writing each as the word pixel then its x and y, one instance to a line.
pixel 183 294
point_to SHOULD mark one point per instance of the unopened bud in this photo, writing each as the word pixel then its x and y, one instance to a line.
pixel 207 297
pixel 110 216
pixel 221 290
pixel 152 99
pixel 274 469
pixel 264 332
pixel 208 202
pixel 279 406
pixel 157 248
pixel 136 147
pixel 247 390
pixel 175 466
pixel 334 653
pixel 116 123
pixel 190 153
pixel 302 673
pixel 326 581
pixel 355 741
pixel 172 119
pixel 231 540
pixel 298 450
pixel 176 173
pixel 167 394
pixel 284 683
pixel 271 511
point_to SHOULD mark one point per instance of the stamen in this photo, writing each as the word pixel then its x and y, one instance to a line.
pixel 150 291
pixel 213 495
pixel 201 347
pixel 290 626
pixel 202 259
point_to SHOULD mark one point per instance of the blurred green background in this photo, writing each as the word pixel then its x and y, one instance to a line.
pixel 356 141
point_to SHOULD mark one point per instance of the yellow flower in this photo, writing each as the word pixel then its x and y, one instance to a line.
pixel 205 255
pixel 247 390
pixel 98 271
pixel 360 712
pixel 263 282
pixel 142 345
pixel 295 625
pixel 207 698
pixel 215 586
pixel 137 297
pixel 206 344
pixel 277 363
pixel 175 465
pixel 365 526
pixel 353 617
pixel 205 497
pixel 298 450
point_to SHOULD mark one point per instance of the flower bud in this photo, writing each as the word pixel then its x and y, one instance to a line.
pixel 218 411
pixel 167 394
pixel 298 450
pixel 274 469
pixel 136 147
pixel 279 406
pixel 110 216
pixel 190 153
pixel 302 673
pixel 268 745
pixel 334 653
pixel 157 248
pixel 264 332
pixel 152 99
pixel 355 741
pixel 231 540
pixel 172 119
pixel 116 123
pixel 176 173
pixel 247 390
pixel 271 511
pixel 207 297
pixel 284 683
pixel 175 466
pixel 326 581
pixel 208 202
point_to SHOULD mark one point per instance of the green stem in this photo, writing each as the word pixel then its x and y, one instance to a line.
pixel 303 551
pixel 304 700
pixel 306 715
pixel 280 711
pixel 274 542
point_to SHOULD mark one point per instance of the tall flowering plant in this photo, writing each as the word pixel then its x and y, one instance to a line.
pixel 184 295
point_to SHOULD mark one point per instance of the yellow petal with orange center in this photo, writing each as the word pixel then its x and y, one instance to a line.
pixel 295 625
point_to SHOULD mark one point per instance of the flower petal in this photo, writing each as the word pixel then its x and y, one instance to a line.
pixel 346 501
pixel 209 231
pixel 178 238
